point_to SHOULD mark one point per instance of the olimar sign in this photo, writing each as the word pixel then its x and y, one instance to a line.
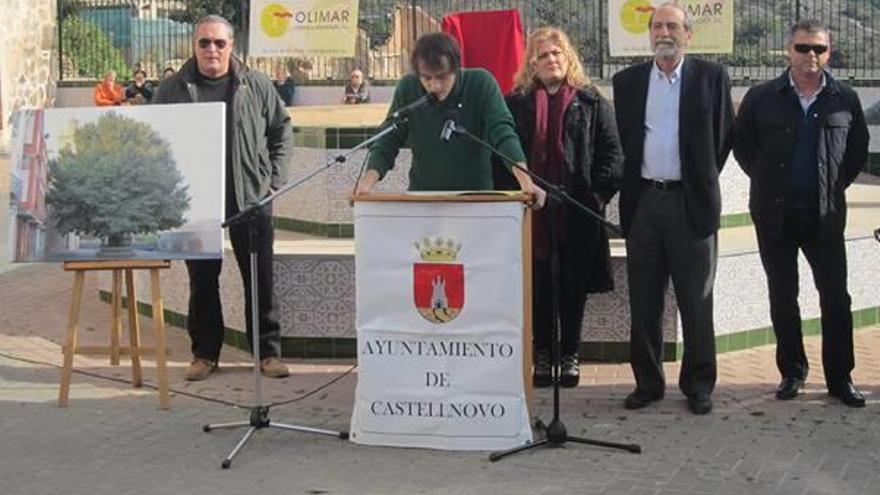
pixel 628 20
pixel 286 28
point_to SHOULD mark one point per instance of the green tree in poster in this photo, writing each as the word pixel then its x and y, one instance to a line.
pixel 118 178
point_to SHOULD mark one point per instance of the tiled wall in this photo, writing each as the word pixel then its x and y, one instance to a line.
pixel 873 167
pixel 317 291
pixel 317 303
pixel 316 294
pixel 29 59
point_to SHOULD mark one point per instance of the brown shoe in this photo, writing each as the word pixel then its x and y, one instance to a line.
pixel 199 369
pixel 272 367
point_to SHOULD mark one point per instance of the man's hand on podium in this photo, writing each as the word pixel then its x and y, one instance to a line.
pixel 527 186
pixel 365 184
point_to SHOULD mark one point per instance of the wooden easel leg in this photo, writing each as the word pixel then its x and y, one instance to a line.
pixel 159 327
pixel 134 341
pixel 70 341
pixel 116 327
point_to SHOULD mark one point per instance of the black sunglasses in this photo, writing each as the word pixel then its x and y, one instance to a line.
pixel 805 48
pixel 205 43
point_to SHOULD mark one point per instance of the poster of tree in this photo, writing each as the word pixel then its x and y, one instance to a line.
pixel 138 182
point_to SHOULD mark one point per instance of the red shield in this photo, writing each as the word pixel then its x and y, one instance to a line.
pixel 438 289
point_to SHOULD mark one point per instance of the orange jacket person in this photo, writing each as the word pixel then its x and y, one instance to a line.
pixel 107 92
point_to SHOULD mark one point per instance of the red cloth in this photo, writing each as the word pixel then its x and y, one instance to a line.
pixel 548 159
pixel 492 40
pixel 547 145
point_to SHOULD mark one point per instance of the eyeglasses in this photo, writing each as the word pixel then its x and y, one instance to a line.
pixel 204 43
pixel 805 48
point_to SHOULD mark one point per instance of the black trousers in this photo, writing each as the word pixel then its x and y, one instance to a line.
pixel 661 244
pixel 827 259
pixel 205 323
pixel 573 296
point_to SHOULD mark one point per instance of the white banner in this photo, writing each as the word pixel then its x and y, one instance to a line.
pixel 440 323
pixel 303 28
pixel 628 26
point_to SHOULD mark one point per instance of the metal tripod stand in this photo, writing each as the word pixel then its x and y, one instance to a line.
pixel 556 433
pixel 259 416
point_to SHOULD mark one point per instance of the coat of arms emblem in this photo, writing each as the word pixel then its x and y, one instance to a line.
pixel 438 280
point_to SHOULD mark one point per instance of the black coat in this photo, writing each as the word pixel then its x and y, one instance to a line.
pixel 766 133
pixel 705 138
pixel 593 160
pixel 262 140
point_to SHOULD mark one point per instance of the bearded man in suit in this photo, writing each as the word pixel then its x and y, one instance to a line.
pixel 675 120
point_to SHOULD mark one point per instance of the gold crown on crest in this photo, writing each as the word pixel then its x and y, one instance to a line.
pixel 438 249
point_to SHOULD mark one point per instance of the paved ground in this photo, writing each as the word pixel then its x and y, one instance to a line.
pixel 113 439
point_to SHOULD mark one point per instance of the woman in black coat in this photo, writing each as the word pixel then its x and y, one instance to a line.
pixel 568 132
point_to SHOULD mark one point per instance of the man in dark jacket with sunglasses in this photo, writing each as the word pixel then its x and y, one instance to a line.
pixel 259 143
pixel 802 139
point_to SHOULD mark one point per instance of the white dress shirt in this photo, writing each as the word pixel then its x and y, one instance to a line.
pixel 661 160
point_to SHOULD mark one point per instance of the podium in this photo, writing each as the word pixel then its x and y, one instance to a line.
pixel 443 298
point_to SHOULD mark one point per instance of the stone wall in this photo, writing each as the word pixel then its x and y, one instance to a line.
pixel 28 58
pixel 28 73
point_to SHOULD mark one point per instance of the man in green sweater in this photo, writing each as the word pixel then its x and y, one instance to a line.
pixel 470 97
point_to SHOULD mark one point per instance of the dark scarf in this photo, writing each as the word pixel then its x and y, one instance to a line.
pixel 548 156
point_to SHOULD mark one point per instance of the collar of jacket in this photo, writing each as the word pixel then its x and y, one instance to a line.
pixel 455 94
pixel 783 83
pixel 190 68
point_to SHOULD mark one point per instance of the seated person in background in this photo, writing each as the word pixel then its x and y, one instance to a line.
pixel 168 72
pixel 357 90
pixel 284 85
pixel 107 93
pixel 139 91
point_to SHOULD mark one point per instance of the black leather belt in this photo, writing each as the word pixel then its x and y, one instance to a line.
pixel 662 184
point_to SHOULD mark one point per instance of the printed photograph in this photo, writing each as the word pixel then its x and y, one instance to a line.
pixel 117 183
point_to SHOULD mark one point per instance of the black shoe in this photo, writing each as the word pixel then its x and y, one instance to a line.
pixel 569 371
pixel 700 403
pixel 639 399
pixel 789 388
pixel 848 394
pixel 542 376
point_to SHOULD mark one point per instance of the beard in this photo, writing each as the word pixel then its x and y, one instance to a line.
pixel 666 49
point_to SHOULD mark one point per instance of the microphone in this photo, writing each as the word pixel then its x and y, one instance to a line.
pixel 404 112
pixel 448 130
pixel 450 126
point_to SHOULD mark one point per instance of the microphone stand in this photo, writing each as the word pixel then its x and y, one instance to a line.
pixel 259 415
pixel 556 434
pixel 553 191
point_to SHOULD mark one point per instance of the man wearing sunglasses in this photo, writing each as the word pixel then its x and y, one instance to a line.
pixel 259 143
pixel 802 139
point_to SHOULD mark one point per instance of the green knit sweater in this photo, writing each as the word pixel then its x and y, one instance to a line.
pixel 460 164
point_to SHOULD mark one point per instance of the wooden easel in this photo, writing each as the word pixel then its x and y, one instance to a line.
pixel 114 350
